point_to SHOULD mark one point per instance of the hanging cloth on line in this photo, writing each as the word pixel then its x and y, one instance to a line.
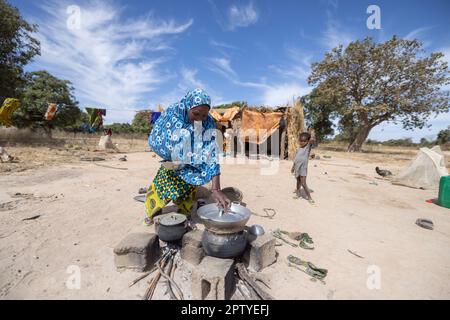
pixel 6 111
pixel 51 111
pixel 96 117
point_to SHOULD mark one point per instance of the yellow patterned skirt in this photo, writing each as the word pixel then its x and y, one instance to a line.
pixel 168 187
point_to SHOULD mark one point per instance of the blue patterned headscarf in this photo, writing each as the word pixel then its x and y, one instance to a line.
pixel 175 138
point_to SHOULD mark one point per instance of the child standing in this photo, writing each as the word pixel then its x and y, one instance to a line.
pixel 300 166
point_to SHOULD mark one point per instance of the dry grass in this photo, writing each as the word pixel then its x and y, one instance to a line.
pixel 375 153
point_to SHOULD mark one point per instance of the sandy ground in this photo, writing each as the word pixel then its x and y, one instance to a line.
pixel 85 210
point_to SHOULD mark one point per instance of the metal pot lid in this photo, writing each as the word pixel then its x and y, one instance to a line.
pixel 173 219
pixel 214 212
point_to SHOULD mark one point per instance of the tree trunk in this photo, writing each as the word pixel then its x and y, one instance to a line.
pixel 360 138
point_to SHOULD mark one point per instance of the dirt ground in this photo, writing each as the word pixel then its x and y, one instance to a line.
pixel 84 210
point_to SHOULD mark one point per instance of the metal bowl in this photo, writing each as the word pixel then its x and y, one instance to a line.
pixel 256 230
pixel 234 194
pixel 219 221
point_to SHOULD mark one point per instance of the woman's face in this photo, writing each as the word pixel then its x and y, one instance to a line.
pixel 199 113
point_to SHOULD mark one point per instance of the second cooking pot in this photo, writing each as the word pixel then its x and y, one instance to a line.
pixel 172 227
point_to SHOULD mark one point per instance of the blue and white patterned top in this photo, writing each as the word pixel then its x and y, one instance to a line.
pixel 175 138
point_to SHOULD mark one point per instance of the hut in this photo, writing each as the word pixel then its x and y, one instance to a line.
pixel 260 131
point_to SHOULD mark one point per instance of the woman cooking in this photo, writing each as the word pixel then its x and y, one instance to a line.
pixel 185 138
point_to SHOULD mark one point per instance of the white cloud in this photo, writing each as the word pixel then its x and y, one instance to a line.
pixel 282 94
pixel 223 67
pixel 335 34
pixel 112 63
pixel 274 94
pixel 223 48
pixel 188 80
pixel 389 130
pixel 417 33
pixel 223 45
pixel 298 66
pixel 242 16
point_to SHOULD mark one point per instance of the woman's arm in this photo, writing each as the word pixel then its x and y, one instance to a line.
pixel 217 194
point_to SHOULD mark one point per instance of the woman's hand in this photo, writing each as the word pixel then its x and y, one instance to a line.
pixel 221 198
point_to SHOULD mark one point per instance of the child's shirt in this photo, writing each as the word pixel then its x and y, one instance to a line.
pixel 301 160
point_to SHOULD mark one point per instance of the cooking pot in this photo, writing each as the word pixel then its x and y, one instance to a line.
pixel 172 227
pixel 224 246
pixel 224 221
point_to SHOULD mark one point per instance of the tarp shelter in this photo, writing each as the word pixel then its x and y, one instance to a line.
pixel 425 171
pixel 257 126
pixel 6 111
pixel 228 115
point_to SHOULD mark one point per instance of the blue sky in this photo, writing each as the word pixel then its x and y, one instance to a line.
pixel 131 55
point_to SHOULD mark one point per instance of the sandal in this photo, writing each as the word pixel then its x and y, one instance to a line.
pixel 425 223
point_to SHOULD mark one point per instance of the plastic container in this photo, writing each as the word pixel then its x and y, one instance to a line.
pixel 444 192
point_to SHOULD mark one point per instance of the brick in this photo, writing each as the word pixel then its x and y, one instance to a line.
pixel 193 255
pixel 260 252
pixel 193 238
pixel 137 251
pixel 213 279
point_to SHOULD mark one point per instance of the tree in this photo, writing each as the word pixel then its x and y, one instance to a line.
pixel 319 113
pixel 141 122
pixel 374 83
pixel 118 128
pixel 17 48
pixel 443 137
pixel 40 89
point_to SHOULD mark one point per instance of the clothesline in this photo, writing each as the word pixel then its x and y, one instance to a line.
pixel 134 110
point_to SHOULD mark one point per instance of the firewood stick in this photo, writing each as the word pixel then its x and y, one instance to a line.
pixel 163 274
pixel 242 271
pixel 169 288
pixel 154 282
pixel 145 275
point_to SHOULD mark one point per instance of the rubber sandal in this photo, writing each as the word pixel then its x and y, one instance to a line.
pixel 425 223
pixel 140 198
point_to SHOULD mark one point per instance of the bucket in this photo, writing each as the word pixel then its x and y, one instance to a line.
pixel 444 192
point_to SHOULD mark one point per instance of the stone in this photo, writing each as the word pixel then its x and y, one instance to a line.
pixel 260 252
pixel 193 255
pixel 137 251
pixel 192 249
pixel 213 279
pixel 193 238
